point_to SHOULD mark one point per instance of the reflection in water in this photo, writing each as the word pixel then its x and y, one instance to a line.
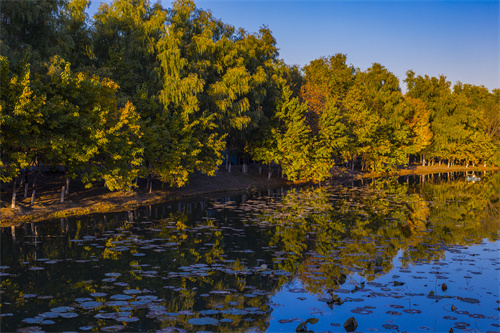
pixel 383 251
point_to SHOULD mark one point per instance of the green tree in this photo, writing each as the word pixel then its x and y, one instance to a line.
pixel 478 108
pixel 88 132
pixel 20 121
pixel 292 137
pixel 380 131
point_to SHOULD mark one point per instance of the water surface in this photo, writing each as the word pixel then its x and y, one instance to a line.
pixel 408 254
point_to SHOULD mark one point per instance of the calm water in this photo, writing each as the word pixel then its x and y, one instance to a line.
pixel 412 255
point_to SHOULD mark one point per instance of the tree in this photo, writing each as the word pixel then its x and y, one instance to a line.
pixel 20 121
pixel 378 125
pixel 292 137
pixel 476 104
pixel 327 80
pixel 89 134
pixel 188 133
pixel 416 116
pixel 457 119
pixel 331 141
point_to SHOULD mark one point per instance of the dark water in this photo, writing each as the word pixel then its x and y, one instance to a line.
pixel 407 254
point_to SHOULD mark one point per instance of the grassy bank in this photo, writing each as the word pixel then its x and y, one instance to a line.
pixel 83 201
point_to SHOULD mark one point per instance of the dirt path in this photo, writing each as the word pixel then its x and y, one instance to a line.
pixel 83 201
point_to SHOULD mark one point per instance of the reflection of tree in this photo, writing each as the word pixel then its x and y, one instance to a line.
pixel 464 212
pixel 325 234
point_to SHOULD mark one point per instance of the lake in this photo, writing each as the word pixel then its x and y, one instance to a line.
pixel 415 253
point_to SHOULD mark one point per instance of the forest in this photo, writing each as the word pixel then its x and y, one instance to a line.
pixel 142 91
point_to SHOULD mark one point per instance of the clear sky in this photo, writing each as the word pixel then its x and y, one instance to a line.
pixel 459 39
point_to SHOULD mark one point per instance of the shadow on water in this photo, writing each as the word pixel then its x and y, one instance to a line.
pixel 397 253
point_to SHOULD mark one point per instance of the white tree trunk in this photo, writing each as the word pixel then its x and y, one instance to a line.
pixel 14 194
pixel 26 185
pixel 244 166
pixel 33 196
pixel 63 190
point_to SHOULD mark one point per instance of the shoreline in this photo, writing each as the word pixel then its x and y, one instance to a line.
pixel 97 200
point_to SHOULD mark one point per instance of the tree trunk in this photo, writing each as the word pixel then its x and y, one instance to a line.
pixel 229 167
pixel 269 172
pixel 260 169
pixel 33 195
pixel 14 194
pixel 63 191
pixel 35 178
pixel 67 185
pixel 244 166
pixel 150 186
pixel 26 185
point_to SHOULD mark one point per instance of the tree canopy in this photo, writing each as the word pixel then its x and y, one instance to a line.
pixel 141 90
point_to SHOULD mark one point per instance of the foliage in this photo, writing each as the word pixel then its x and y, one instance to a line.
pixel 143 90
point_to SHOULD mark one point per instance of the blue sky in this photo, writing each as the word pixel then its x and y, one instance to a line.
pixel 459 39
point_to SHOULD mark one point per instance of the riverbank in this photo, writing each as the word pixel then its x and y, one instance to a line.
pixel 83 201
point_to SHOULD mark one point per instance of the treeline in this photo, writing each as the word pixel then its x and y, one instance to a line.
pixel 143 91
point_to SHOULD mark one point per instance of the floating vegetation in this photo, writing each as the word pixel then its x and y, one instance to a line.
pixel 378 254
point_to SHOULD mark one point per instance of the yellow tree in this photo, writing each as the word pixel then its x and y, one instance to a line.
pixel 417 117
pixel 21 121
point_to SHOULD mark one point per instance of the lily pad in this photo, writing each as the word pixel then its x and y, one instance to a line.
pixel 209 312
pixel 114 328
pixel 90 305
pixel 68 315
pixel 112 274
pixel 86 328
pixel 116 303
pixel 132 291
pixel 121 297
pixel 127 319
pixel 203 321
pixel 50 314
pixel 35 320
pixel 31 329
pixel 62 309
pixel 171 330
pixel 83 299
